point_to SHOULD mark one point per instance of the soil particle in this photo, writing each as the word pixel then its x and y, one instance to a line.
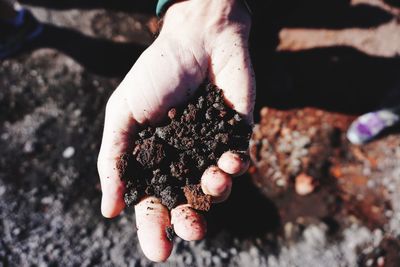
pixel 304 184
pixel 168 161
pixel 386 254
pixel 169 231
pixel 196 198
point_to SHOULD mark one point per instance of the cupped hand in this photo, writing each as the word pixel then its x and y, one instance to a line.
pixel 200 39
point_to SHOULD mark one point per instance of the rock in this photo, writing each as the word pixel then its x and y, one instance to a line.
pixel 304 184
pixel 68 152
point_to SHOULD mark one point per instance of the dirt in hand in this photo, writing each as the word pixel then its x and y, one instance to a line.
pixel 168 161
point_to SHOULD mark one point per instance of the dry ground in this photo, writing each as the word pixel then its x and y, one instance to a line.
pixel 336 55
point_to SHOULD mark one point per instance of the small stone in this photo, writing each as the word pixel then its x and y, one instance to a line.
pixel 216 260
pixel 29 147
pixel 172 113
pixel 288 229
pixel 2 190
pixel 223 254
pixel 388 213
pixel 369 262
pixel 304 184
pixel 281 182
pixel 77 112
pixel 69 152
pixel 5 136
pixel 381 261
pixel 47 200
pixel 188 259
pixel 16 231
pixel 264 112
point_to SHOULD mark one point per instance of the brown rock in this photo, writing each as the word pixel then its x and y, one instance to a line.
pixel 304 184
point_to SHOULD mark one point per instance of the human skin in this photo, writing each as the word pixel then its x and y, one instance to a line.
pixel 199 39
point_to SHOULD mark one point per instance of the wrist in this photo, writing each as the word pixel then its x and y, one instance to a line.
pixel 207 19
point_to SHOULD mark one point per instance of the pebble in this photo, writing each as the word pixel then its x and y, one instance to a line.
pixel 371 184
pixel 388 213
pixel 5 136
pixel 233 251
pixel 188 259
pixel 381 261
pixel 216 260
pixel 172 113
pixel 77 112
pixel 16 231
pixel 47 200
pixel 288 230
pixel 369 262
pixel 49 248
pixel 304 184
pixel 29 147
pixel 264 112
pixel 69 152
pixel 223 254
pixel 280 183
pixel 2 190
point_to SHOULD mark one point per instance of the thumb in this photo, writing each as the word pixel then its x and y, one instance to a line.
pixel 232 71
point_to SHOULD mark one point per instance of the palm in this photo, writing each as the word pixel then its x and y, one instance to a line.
pixel 163 77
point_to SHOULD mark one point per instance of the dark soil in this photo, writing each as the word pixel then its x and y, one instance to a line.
pixel 386 254
pixel 52 100
pixel 168 161
pixel 196 198
pixel 169 231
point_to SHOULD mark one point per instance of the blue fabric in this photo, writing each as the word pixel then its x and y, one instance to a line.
pixel 18 20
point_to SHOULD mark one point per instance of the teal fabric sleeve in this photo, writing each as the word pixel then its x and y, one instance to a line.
pixel 162 6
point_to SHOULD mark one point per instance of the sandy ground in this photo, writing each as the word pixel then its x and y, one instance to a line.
pixel 340 56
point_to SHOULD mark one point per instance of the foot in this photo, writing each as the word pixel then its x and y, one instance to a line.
pixel 16 33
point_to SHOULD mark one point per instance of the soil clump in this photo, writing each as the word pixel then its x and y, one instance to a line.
pixel 168 161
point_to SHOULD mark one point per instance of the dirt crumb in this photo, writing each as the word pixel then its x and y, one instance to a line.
pixel 170 159
pixel 169 231
pixel 196 198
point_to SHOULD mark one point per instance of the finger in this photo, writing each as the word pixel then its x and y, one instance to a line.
pixel 233 163
pixel 232 71
pixel 118 127
pixel 188 224
pixel 152 219
pixel 216 183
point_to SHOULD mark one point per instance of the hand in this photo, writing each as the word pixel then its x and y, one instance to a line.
pixel 199 39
